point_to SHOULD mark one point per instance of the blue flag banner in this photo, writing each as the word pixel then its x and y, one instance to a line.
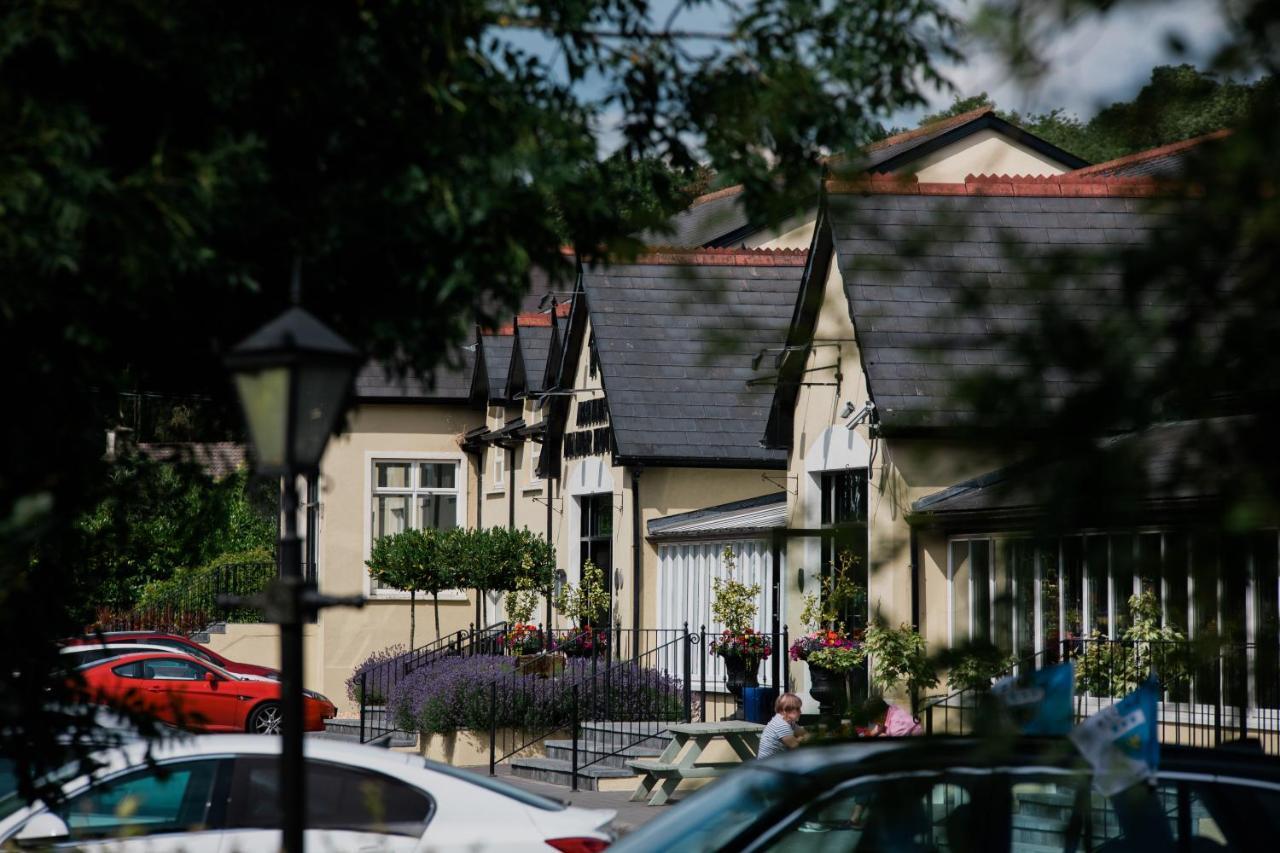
pixel 1120 742
pixel 1039 702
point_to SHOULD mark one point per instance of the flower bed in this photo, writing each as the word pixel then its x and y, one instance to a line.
pixel 378 667
pixel 454 694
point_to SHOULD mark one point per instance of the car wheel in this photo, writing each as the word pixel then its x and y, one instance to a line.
pixel 265 719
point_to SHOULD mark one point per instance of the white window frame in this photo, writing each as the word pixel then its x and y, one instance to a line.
pixel 1192 710
pixel 460 478
pixel 685 570
pixel 497 470
pixel 529 459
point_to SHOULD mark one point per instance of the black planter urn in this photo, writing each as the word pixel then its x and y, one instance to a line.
pixel 740 672
pixel 830 688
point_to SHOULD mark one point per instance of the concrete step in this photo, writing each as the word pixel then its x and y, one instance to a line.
pixel 555 771
pixel 615 735
pixel 349 730
pixel 593 753
pixel 216 628
pixel 1031 829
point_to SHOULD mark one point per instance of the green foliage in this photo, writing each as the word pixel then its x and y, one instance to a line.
pixel 975 666
pixel 733 604
pixel 899 655
pixel 194 590
pixel 838 592
pixel 1178 102
pixel 587 603
pixel 837 658
pixel 1108 668
pixel 171 516
pixel 414 561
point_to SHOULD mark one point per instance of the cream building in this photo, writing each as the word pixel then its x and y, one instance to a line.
pixel 607 428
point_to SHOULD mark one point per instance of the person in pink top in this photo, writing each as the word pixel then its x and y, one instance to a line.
pixel 884 719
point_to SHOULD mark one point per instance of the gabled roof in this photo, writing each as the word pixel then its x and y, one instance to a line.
pixel 718 219
pixel 493 359
pixel 897 152
pixel 532 334
pixel 909 255
pixel 675 334
pixel 1167 161
pixel 715 219
pixel 750 517
pixel 450 381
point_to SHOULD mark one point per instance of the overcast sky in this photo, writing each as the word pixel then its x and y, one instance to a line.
pixel 1105 58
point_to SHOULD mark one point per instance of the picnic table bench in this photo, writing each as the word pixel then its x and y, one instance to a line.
pixel 679 761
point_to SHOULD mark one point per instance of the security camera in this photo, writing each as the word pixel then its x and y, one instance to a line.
pixel 863 414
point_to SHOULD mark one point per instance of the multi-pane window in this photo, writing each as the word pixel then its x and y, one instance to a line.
pixel 1035 597
pixel 499 467
pixel 844 509
pixel 596 531
pixel 413 494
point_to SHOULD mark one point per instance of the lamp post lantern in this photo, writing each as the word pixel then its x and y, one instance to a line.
pixel 292 377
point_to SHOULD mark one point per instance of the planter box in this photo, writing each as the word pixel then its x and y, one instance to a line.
pixel 470 747
pixel 543 664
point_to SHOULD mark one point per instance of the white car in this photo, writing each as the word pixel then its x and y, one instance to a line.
pixel 218 794
pixel 75 656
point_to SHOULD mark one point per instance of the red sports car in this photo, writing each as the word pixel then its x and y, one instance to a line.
pixel 179 644
pixel 195 694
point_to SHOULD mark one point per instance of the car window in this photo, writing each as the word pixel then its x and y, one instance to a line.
pixel 129 670
pixel 185 648
pixel 716 815
pixel 167 798
pixel 338 797
pixel 170 669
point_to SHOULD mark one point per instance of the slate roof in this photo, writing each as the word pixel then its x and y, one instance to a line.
pixel 718 218
pixel 909 253
pixel 374 383
pixel 675 334
pixel 1168 476
pixel 496 360
pixel 534 343
pixel 1167 161
pixel 713 219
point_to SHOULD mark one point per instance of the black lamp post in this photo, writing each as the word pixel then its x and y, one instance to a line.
pixel 292 377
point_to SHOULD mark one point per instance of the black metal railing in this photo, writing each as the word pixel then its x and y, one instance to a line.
pixel 375 681
pixel 1211 691
pixel 190 606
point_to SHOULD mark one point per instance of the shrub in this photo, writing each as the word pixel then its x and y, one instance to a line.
pixel 380 675
pixel 194 591
pixel 454 693
pixel 900 655
pixel 1116 668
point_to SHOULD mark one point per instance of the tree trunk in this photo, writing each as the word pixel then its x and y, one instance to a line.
pixel 435 604
pixel 413 606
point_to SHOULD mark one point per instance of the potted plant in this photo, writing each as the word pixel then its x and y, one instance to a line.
pixel 587 606
pixel 739 644
pixel 526 640
pixel 899 656
pixel 828 648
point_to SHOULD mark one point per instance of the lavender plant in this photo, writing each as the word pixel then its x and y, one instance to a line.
pixel 455 693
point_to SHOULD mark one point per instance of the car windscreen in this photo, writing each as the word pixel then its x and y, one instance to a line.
pixel 527 797
pixel 716 815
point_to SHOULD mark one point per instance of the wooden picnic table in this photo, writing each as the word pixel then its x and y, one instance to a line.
pixel 679 761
